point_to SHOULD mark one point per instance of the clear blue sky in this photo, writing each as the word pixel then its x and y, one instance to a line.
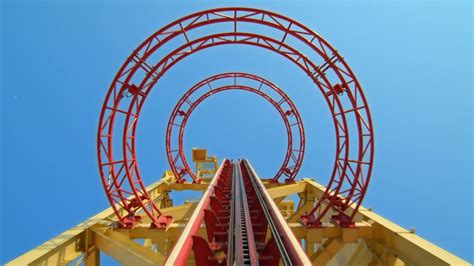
pixel 414 61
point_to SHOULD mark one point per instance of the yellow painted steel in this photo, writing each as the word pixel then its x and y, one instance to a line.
pixel 327 251
pixel 374 241
pixel 123 249
pixel 206 166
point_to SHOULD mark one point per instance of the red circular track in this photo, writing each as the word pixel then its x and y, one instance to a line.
pixel 235 81
pixel 321 62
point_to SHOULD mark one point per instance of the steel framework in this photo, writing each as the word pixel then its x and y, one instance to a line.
pixel 323 64
pixel 240 219
pixel 373 241
pixel 235 81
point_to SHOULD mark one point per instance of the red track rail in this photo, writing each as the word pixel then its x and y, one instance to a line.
pixel 321 62
pixel 211 209
pixel 235 81
pixel 246 248
pixel 237 212
pixel 283 245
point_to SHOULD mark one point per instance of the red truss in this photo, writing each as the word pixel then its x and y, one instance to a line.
pixel 235 81
pixel 321 62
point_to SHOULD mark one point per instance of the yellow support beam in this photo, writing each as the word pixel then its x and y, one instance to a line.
pixel 286 190
pixel 382 256
pixel 70 244
pixel 303 208
pixel 172 233
pixel 403 244
pixel 360 256
pixel 374 241
pixel 409 247
pixel 123 249
pixel 206 166
pixel 58 251
pixel 326 251
pixel 92 258
pixel 318 235
pixel 179 213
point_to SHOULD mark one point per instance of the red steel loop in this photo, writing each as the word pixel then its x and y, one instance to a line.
pixel 235 81
pixel 306 49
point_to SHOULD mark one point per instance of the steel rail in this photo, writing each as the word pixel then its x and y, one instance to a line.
pixel 246 248
pixel 290 249
pixel 324 65
pixel 238 81
pixel 180 252
pixel 231 237
pixel 249 39
pixel 284 255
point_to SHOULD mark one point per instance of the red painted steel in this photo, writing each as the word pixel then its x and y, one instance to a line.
pixel 237 213
pixel 186 242
pixel 246 249
pixel 235 81
pixel 283 244
pixel 321 62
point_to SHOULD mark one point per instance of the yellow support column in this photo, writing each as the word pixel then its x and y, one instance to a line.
pixel 326 251
pixel 309 248
pixel 125 250
pixel 92 258
pixel 361 255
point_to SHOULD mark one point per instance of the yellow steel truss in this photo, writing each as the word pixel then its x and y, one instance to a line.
pixel 206 166
pixel 374 241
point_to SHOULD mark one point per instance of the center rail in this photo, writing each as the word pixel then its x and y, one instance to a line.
pixel 243 225
pixel 281 245
pixel 246 249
